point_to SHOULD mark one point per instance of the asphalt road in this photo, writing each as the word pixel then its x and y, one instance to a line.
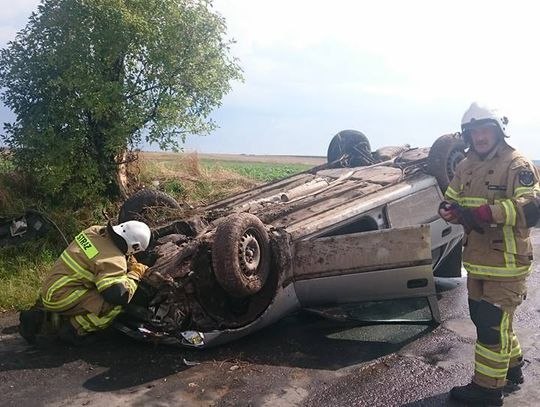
pixel 303 360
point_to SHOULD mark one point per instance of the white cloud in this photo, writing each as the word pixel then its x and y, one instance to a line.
pixel 15 9
pixel 442 49
pixel 427 53
pixel 14 17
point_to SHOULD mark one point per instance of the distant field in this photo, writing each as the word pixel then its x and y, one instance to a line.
pixel 203 178
pixel 260 171
pixel 274 159
pixel 261 168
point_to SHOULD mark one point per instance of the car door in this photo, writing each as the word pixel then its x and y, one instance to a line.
pixel 378 265
pixel 422 207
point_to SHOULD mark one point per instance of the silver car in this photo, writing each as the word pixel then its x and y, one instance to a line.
pixel 362 227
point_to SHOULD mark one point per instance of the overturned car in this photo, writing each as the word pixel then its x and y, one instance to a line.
pixel 362 227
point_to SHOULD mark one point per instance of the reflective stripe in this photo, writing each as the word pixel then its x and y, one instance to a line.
pixel 491 355
pixel 466 201
pixel 74 266
pixel 65 302
pixel 508 232
pixel 81 320
pixel 132 285
pixel 510 212
pixel 516 347
pixel 96 321
pixel 510 247
pixel 452 193
pixel 91 322
pixel 515 352
pixel 104 321
pixel 504 328
pixel 106 282
pixel 58 284
pixel 509 260
pixel 472 201
pixel 490 371
pixel 496 271
pixel 520 191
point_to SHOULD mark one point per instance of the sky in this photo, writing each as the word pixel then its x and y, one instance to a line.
pixel 399 71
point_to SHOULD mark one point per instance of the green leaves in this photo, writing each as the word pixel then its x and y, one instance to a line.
pixel 89 78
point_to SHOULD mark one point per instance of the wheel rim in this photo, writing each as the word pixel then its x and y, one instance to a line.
pixel 249 253
pixel 453 160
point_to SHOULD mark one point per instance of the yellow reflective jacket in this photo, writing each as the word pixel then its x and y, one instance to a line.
pixel 508 182
pixel 91 262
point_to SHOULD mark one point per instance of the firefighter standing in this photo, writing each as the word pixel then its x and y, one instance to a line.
pixel 493 195
pixel 94 278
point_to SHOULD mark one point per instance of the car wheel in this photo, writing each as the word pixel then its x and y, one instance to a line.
pixel 444 156
pixel 137 207
pixel 350 144
pixel 241 255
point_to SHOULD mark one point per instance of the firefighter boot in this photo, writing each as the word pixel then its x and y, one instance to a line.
pixel 68 334
pixel 473 394
pixel 31 323
pixel 514 378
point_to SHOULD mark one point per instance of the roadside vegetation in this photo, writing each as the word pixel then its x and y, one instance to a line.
pixel 114 73
pixel 187 178
pixel 111 75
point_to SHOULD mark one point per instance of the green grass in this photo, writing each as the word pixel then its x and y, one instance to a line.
pixel 21 271
pixel 264 172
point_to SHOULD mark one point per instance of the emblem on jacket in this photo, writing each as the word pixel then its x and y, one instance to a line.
pixel 526 178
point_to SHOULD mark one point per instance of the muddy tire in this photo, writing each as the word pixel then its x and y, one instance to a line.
pixel 134 207
pixel 444 156
pixel 350 143
pixel 241 255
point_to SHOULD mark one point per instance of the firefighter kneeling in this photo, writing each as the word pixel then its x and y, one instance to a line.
pixel 494 196
pixel 91 282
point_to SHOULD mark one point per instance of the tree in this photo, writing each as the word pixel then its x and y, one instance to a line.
pixel 88 79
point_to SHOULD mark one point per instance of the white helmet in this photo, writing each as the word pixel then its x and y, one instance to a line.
pixel 136 234
pixel 482 116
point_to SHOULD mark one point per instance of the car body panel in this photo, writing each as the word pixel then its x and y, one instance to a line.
pixel 383 264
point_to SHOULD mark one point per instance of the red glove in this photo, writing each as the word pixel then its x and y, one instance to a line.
pixel 483 214
pixel 470 219
pixel 447 211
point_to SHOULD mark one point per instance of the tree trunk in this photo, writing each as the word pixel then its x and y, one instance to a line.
pixel 104 159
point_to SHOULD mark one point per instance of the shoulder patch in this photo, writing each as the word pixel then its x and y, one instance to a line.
pixel 526 178
pixel 86 245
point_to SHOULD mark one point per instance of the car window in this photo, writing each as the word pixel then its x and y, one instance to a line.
pixel 420 207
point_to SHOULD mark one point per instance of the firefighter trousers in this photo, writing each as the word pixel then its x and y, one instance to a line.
pixel 492 305
pixel 90 313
